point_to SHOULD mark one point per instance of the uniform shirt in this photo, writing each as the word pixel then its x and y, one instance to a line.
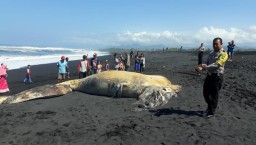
pixel 62 66
pixel 216 61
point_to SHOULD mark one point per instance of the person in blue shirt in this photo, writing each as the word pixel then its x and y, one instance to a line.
pixel 232 47
pixel 62 65
pixel 228 51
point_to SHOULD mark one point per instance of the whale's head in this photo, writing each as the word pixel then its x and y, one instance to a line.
pixel 154 96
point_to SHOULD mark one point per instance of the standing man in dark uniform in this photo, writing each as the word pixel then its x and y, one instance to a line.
pixel 215 69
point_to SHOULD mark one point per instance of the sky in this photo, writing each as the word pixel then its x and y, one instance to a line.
pixel 126 23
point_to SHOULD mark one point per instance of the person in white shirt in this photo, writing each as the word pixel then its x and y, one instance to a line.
pixel 200 50
pixel 83 67
pixel 142 63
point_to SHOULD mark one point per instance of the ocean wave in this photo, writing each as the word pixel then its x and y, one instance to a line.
pixel 19 56
pixel 39 49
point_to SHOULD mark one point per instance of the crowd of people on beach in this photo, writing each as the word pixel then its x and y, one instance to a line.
pixel 87 67
pixel 214 67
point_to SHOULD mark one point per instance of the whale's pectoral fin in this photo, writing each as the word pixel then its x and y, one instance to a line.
pixel 46 91
pixel 153 97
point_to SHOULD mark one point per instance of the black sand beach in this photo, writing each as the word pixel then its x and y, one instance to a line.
pixel 79 118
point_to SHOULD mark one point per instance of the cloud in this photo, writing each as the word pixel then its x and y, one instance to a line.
pixel 150 38
pixel 242 37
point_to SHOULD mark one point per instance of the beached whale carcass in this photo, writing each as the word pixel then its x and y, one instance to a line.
pixel 150 90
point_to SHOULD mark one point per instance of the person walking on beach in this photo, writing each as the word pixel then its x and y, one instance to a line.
pixel 142 63
pixel 214 79
pixel 62 64
pixel 94 63
pixel 137 62
pixel 3 83
pixel 83 67
pixel 232 47
pixel 200 50
pixel 127 61
pixel 106 66
pixel 28 76
pixel 67 68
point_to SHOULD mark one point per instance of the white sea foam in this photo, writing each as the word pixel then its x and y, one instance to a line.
pixel 33 55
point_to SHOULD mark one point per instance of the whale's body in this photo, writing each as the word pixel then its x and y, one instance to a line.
pixel 151 90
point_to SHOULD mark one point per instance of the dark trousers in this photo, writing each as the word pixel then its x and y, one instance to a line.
pixel 231 54
pixel 200 57
pixel 228 53
pixel 82 75
pixel 212 86
pixel 141 68
pixel 94 71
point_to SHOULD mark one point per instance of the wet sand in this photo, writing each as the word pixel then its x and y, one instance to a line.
pixel 79 118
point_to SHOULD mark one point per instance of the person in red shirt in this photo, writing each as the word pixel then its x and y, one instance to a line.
pixel 28 76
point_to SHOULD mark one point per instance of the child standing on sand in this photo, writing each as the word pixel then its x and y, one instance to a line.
pixel 99 68
pixel 28 76
pixel 121 65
